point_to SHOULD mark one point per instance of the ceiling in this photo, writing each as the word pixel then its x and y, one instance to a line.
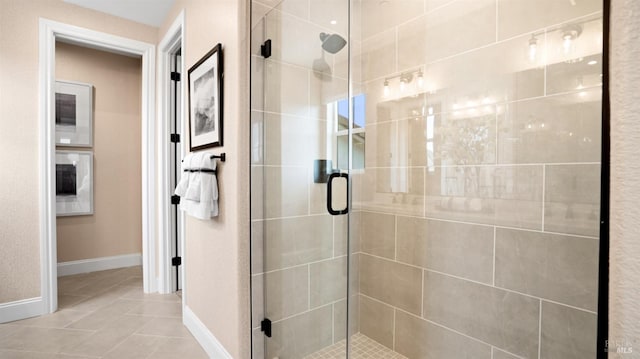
pixel 149 12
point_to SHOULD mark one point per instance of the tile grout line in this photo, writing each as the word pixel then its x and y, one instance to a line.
pixel 494 257
pixel 540 329
pixel 395 238
pixel 544 184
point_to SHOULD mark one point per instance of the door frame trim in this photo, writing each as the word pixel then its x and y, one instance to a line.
pixel 173 39
pixel 49 32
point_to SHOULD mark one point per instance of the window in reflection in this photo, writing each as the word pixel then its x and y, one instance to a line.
pixel 340 112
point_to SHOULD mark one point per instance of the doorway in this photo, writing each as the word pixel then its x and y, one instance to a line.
pixel 50 32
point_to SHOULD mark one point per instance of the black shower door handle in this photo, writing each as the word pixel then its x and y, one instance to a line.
pixel 340 200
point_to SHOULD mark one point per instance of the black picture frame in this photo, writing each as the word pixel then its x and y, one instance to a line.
pixel 205 81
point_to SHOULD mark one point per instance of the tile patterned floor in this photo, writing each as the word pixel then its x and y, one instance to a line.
pixel 103 315
pixel 362 347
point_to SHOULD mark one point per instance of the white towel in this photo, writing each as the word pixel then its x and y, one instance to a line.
pixel 201 194
pixel 183 185
pixel 193 191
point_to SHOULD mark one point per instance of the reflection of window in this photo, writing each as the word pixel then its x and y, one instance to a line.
pixel 341 134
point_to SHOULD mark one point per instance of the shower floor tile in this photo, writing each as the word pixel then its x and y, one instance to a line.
pixel 361 347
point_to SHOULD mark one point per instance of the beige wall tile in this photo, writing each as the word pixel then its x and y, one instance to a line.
pixel 294 141
pixel 556 129
pixel 394 190
pixel 301 335
pixel 499 354
pixel 572 199
pixel 339 320
pixel 501 195
pixel 379 55
pixel 326 88
pixel 295 241
pixel 448 30
pixel 286 89
pixel 257 192
pixel 285 191
pixel 376 321
pixel 560 268
pixel 393 283
pixel 504 319
pixel 417 338
pixel 287 292
pixel 257 299
pixel 379 16
pixel 332 15
pixel 257 247
pixel 518 17
pixel 328 281
pixel 299 8
pixel 378 234
pixel 257 344
pixel 459 249
pixel 381 145
pixel 567 333
pixel 299 47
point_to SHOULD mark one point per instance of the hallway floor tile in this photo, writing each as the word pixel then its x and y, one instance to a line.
pixel 103 315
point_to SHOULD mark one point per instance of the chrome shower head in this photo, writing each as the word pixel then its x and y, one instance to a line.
pixel 332 43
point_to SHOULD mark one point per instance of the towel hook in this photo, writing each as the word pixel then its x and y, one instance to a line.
pixel 222 157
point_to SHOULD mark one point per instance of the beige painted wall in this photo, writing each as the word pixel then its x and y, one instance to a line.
pixel 624 305
pixel 217 250
pixel 115 228
pixel 19 143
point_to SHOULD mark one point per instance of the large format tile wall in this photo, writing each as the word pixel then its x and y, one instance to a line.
pixel 480 198
pixel 299 251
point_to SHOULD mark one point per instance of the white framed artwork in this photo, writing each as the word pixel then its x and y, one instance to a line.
pixel 74 114
pixel 74 183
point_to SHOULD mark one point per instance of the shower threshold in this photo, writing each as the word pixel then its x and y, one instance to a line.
pixel 361 347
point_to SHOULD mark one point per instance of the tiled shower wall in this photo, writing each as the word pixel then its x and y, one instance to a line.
pixel 480 197
pixel 299 251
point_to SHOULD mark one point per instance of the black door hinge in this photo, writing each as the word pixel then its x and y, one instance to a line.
pixel 175 138
pixel 175 76
pixel 265 49
pixel 175 199
pixel 265 326
pixel 176 261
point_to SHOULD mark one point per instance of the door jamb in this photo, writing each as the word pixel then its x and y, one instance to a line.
pixel 172 39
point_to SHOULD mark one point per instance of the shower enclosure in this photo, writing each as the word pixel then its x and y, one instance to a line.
pixel 470 135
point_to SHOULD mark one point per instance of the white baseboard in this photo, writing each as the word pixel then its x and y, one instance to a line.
pixel 205 338
pixel 21 309
pixel 98 264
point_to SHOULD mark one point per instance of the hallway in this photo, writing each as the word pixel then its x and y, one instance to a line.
pixel 103 315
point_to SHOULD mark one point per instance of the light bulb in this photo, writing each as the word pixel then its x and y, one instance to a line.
pixel 420 79
pixel 386 89
pixel 567 41
pixel 533 48
pixel 430 110
pixel 403 83
pixel 592 62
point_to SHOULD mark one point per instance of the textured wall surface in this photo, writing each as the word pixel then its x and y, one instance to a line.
pixel 115 227
pixel 19 147
pixel 217 251
pixel 624 306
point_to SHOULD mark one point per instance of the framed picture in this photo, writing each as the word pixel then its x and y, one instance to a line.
pixel 205 101
pixel 74 183
pixel 74 114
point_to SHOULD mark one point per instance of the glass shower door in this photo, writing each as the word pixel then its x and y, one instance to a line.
pixel 300 102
